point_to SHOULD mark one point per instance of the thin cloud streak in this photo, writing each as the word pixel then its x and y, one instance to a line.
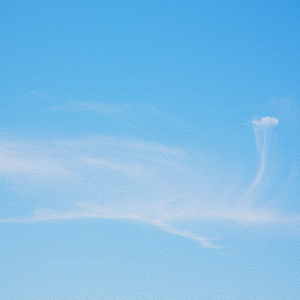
pixel 130 169
pixel 14 163
pixel 261 129
pixel 131 111
pixel 87 211
pixel 48 215
pixel 123 179
pixel 102 108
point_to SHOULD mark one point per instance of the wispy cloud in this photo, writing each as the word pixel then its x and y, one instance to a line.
pixel 126 111
pixel 41 95
pixel 265 122
pixel 102 108
pixel 124 168
pixel 16 162
pixel 261 129
pixel 122 179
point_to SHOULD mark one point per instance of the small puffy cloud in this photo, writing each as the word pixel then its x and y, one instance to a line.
pixel 266 122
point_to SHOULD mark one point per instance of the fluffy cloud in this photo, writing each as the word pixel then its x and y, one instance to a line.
pixel 266 122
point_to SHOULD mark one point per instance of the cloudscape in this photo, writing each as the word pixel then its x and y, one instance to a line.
pixel 149 150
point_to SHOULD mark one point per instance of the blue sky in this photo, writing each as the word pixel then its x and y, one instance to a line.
pixel 149 150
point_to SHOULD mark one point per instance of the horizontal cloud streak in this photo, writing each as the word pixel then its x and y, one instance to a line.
pixel 122 179
pixel 16 163
pixel 102 108
pixel 87 211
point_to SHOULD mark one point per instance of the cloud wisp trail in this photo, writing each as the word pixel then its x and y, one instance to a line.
pixel 121 179
pixel 261 129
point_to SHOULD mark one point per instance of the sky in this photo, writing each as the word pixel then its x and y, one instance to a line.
pixel 149 150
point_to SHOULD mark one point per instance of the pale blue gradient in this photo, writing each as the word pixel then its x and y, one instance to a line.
pixel 149 150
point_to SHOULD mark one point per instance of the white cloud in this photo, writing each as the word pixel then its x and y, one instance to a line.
pixel 102 108
pixel 123 179
pixel 261 128
pixel 16 162
pixel 266 122
pixel 131 169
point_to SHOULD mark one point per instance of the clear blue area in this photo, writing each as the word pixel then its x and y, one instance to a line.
pixel 189 75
